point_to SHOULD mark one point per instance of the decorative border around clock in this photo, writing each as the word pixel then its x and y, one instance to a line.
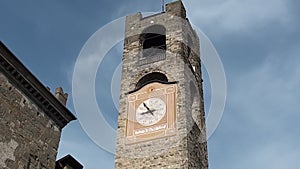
pixel 167 92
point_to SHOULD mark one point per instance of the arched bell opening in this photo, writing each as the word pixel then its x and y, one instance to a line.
pixel 150 78
pixel 153 40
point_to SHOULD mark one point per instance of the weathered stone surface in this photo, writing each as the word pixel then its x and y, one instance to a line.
pixel 188 148
pixel 28 138
pixel 31 118
pixel 7 151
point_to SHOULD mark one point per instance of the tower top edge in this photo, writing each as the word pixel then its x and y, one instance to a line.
pixel 175 8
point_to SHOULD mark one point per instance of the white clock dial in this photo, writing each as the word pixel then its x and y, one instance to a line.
pixel 150 111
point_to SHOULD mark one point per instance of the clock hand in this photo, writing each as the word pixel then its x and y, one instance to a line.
pixel 146 106
pixel 149 111
pixel 144 112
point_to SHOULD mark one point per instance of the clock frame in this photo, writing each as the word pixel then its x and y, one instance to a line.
pixel 166 126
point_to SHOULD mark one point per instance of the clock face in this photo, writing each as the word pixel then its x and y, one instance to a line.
pixel 150 111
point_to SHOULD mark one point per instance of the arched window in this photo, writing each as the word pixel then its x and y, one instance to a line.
pixel 153 40
pixel 151 77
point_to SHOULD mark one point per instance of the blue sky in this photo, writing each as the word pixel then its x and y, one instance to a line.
pixel 257 40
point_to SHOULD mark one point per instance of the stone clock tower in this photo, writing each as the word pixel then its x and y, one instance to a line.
pixel 161 121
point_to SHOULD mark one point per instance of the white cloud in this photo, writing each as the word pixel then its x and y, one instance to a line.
pixel 266 108
pixel 271 86
pixel 236 15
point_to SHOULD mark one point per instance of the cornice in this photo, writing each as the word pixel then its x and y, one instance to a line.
pixel 24 80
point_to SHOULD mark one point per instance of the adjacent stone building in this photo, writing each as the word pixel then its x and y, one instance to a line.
pixel 31 117
pixel 68 162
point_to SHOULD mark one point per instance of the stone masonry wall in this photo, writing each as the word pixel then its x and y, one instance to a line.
pixel 152 154
pixel 187 149
pixel 28 138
